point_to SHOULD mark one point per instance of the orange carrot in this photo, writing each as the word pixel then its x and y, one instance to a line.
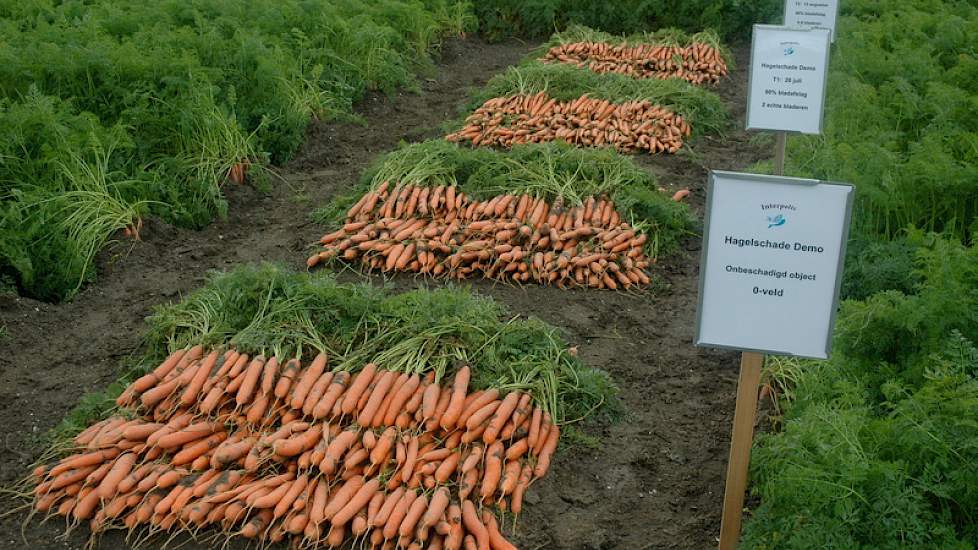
pixel 500 416
pixel 485 398
pixel 296 445
pixel 398 513
pixel 192 391
pixel 286 380
pixel 543 460
pixel 250 381
pixel 410 459
pixel 400 398
pixel 376 398
pixel 333 392
pixel 493 470
pixel 358 386
pixel 308 378
pixel 526 476
pixel 496 539
pixel 384 512
pixel 459 387
pixel 472 523
pixel 357 502
pixel 335 451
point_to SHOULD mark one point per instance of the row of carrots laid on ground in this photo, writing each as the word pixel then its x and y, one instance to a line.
pixel 696 62
pixel 442 232
pixel 268 449
pixel 585 121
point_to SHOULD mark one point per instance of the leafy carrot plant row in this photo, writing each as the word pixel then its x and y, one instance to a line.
pixel 113 111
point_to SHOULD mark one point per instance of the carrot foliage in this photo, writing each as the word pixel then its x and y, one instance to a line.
pixel 876 446
pixel 272 310
pixel 163 98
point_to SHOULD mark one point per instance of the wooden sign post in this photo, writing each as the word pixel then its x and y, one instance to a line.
pixel 745 411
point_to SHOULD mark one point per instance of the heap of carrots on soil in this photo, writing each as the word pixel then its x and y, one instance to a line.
pixel 696 62
pixel 269 450
pixel 442 232
pixel 585 121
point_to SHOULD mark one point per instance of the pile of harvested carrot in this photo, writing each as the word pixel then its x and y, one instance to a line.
pixel 629 126
pixel 271 449
pixel 442 232
pixel 696 62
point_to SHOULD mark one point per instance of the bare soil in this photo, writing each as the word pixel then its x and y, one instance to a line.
pixel 655 481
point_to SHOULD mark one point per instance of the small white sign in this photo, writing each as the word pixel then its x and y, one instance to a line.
pixel 787 79
pixel 812 14
pixel 773 251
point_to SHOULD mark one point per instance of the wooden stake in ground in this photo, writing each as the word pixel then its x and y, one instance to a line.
pixel 740 444
pixel 742 436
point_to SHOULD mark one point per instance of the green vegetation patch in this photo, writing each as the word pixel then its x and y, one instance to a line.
pixel 144 107
pixel 732 18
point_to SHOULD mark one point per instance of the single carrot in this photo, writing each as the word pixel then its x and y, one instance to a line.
pixel 430 400
pixel 357 502
pixel 192 432
pixel 459 387
pixel 500 416
pixel 546 453
pixel 284 504
pixel 400 398
pixel 485 398
pixel 298 444
pixel 335 450
pixel 332 394
pixel 376 398
pixel 198 449
pixel 411 457
pixel 192 391
pixel 482 415
pixel 384 512
pixel 358 386
pixel 250 381
pixel 472 523
pixel 496 539
pixel 316 393
pixel 417 509
pixel 398 513
pixel 342 496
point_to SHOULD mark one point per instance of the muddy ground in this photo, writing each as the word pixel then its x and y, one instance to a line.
pixel 656 481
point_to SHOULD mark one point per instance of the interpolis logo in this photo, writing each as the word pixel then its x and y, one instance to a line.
pixel 775 214
pixel 789 48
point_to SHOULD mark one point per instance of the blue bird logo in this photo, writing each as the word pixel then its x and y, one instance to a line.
pixel 789 51
pixel 776 221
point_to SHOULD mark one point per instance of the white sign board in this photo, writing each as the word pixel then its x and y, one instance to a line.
pixel 787 79
pixel 773 251
pixel 812 14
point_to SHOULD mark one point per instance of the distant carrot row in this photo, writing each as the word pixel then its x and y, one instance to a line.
pixel 268 449
pixel 629 126
pixel 696 63
pixel 440 231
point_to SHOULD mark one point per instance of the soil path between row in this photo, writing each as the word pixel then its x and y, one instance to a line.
pixel 655 480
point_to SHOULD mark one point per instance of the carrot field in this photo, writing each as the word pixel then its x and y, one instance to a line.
pixel 424 274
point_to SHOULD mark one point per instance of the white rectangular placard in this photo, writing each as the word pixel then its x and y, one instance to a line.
pixel 787 79
pixel 773 251
pixel 812 14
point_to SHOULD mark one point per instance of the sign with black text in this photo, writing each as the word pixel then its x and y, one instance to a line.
pixel 812 14
pixel 787 79
pixel 773 249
